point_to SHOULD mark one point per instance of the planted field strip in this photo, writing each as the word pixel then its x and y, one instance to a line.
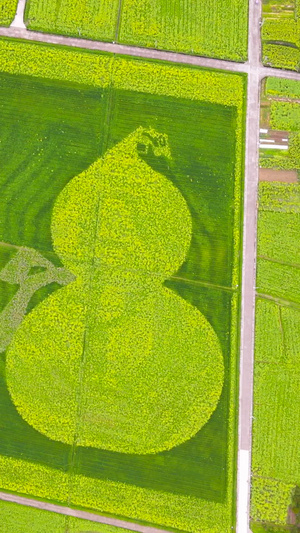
pixel 106 181
pixel 7 11
pixel 275 454
pixel 281 34
pixel 281 120
pixel 212 28
pixel 92 19
pixel 16 518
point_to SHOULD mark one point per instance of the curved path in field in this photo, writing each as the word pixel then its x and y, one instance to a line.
pixel 256 72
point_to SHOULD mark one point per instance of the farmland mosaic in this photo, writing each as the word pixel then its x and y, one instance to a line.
pixel 120 279
pixel 216 28
pixel 275 457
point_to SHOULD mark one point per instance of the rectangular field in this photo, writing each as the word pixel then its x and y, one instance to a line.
pixel 280 119
pixel 276 423
pixel 92 19
pixel 281 34
pixel 215 28
pixel 87 120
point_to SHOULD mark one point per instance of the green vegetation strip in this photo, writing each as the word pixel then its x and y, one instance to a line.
pixel 281 34
pixel 276 423
pixel 16 518
pixel 92 19
pixel 283 88
pixel 217 28
pixel 7 11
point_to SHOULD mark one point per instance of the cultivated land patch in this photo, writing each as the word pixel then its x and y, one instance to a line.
pixel 216 28
pixel 7 11
pixel 281 34
pixel 16 518
pixel 92 19
pixel 275 458
pixel 138 211
pixel 280 125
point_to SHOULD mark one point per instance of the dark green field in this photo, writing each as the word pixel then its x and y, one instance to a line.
pixel 58 130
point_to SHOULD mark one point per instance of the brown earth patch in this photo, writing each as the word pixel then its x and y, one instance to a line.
pixel 285 176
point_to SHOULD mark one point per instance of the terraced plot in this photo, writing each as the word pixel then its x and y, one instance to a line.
pixel 215 28
pixel 119 142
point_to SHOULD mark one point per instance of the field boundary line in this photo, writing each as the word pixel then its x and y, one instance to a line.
pixel 76 513
pixel 278 300
pixel 284 263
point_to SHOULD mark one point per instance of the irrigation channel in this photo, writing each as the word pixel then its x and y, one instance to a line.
pixel 256 72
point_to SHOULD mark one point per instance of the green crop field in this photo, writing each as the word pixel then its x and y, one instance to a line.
pixel 7 11
pixel 16 518
pixel 281 116
pixel 92 19
pixel 275 456
pixel 216 28
pixel 120 273
pixel 281 34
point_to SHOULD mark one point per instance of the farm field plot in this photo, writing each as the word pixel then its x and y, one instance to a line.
pixel 92 19
pixel 280 34
pixel 216 28
pixel 275 453
pixel 16 518
pixel 99 295
pixel 7 11
pixel 280 127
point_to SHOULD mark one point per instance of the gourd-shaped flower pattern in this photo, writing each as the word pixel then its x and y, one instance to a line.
pixel 116 360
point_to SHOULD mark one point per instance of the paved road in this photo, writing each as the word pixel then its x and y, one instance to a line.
pixel 256 72
pixel 249 271
pixel 78 514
